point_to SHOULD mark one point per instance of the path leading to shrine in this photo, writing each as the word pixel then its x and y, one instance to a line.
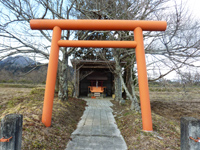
pixel 97 129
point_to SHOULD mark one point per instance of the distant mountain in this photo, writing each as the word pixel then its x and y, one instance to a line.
pixel 17 62
pixel 14 68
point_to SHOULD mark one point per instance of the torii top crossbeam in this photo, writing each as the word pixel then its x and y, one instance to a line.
pixel 113 25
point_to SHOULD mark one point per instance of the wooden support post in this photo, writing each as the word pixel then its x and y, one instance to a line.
pixel 51 78
pixel 143 81
pixel 11 128
pixel 75 80
pixel 76 75
pixel 190 128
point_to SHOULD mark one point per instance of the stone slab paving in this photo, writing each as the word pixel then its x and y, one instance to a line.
pixel 97 129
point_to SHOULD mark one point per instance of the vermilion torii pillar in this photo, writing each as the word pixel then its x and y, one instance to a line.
pixel 118 25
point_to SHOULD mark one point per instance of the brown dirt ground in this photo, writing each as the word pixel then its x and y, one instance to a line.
pixel 176 109
pixel 35 135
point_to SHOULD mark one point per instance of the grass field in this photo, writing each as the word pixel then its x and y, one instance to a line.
pixel 29 102
pixel 168 105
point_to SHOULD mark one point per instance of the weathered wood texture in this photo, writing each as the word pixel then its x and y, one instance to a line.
pixel 95 67
pixel 76 79
pixel 190 127
pixel 11 126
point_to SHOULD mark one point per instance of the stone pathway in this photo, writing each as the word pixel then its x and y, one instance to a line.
pixel 97 129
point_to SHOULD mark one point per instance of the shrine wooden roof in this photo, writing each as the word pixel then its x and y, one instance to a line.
pixel 93 63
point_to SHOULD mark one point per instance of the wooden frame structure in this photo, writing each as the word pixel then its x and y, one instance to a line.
pixel 86 71
pixel 126 25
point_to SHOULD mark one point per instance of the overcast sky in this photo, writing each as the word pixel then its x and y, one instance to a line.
pixel 194 6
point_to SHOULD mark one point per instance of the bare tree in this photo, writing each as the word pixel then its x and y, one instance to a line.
pixel 18 38
pixel 173 49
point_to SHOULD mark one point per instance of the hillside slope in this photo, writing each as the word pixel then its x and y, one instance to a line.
pixel 29 103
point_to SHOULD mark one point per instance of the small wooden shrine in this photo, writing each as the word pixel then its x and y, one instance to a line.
pixel 95 78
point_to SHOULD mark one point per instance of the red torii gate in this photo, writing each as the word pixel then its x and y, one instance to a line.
pixel 126 25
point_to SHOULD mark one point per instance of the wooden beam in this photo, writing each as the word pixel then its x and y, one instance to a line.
pixel 97 43
pixel 95 67
pixel 113 25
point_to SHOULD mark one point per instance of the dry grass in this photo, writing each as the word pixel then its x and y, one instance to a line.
pixel 29 102
pixel 168 106
pixel 165 136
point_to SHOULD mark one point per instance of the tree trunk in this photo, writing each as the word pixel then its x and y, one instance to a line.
pixel 132 96
pixel 134 102
pixel 63 88
pixel 58 77
pixel 118 89
pixel 128 78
